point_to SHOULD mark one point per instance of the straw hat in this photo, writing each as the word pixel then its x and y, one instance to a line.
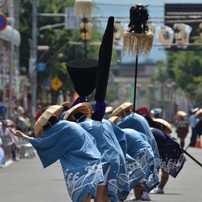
pixel 55 109
pixel 182 113
pixel 66 104
pixel 108 109
pixel 113 119
pixel 164 123
pixel 123 107
pixel 198 113
pixel 83 107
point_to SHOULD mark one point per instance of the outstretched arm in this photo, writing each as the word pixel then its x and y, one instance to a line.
pixel 19 134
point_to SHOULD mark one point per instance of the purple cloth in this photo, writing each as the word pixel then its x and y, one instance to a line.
pixel 100 107
pixel 80 99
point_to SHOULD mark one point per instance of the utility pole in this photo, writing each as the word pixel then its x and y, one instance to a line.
pixel 11 15
pixel 33 75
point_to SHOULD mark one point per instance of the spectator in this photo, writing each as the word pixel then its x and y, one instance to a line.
pixel 21 124
pixel 26 117
pixel 182 127
pixel 193 122
pixel 17 109
pixel 2 155
pixel 8 141
pixel 38 112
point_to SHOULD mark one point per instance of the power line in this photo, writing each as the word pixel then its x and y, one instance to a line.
pixel 127 5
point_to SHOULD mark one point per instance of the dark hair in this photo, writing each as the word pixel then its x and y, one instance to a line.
pixel 53 119
pixel 4 122
pixel 78 117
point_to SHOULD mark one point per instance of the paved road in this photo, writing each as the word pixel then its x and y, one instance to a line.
pixel 27 181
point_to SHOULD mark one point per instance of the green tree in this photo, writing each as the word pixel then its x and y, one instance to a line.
pixel 159 81
pixel 57 39
pixel 185 67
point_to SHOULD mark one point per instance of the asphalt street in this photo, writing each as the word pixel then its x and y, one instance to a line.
pixel 27 181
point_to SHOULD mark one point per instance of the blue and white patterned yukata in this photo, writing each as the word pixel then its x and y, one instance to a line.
pixel 78 155
pixel 141 150
pixel 112 154
pixel 140 124
pixel 135 171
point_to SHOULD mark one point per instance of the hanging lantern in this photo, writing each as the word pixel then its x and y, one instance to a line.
pixel 83 8
pixel 182 33
pixel 179 31
pixel 86 30
pixel 200 30
pixel 151 27
pixel 118 32
pixel 165 35
pixel 185 38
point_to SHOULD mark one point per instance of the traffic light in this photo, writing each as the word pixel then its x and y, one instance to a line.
pixel 86 30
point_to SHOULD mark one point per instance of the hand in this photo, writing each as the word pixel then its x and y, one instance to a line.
pixel 16 132
pixel 19 134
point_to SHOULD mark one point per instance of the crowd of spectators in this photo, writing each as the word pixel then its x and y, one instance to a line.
pixel 11 147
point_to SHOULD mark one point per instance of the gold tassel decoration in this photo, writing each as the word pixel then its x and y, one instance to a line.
pixel 138 38
pixel 137 44
pixel 83 8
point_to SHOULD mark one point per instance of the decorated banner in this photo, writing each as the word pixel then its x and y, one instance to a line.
pixel 75 96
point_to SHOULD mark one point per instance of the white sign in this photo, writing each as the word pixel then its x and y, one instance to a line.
pixel 71 22
pixel 2 3
pixel 32 65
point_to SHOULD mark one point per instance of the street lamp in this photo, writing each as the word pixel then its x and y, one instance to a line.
pixel 83 9
pixel 85 32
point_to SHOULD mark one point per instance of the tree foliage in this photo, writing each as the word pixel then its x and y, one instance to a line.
pixel 57 39
pixel 185 67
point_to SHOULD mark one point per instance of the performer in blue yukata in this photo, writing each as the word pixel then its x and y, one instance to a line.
pixel 80 160
pixel 129 119
pixel 113 157
pixel 140 149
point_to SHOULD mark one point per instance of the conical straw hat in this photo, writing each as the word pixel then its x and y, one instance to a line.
pixel 66 104
pixel 123 107
pixel 108 109
pixel 113 119
pixel 182 113
pixel 164 123
pixel 198 113
pixel 55 109
pixel 83 107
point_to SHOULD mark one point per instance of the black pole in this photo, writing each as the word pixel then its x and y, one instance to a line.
pixel 192 157
pixel 135 82
pixel 85 41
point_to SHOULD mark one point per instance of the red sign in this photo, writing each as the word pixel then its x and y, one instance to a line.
pixel 2 3
pixel 3 21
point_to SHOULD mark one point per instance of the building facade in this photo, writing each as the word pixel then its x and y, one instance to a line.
pixel 9 53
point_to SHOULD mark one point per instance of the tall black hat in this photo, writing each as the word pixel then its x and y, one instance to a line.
pixel 105 54
pixel 83 75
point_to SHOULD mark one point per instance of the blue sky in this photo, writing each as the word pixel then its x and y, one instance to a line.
pixel 122 7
